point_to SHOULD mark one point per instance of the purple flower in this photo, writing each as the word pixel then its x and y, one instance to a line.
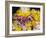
pixel 23 27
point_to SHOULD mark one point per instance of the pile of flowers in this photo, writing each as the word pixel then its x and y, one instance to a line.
pixel 26 21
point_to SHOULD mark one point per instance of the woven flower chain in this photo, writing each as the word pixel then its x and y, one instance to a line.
pixel 25 21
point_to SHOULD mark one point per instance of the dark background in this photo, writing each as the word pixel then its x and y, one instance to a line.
pixel 14 9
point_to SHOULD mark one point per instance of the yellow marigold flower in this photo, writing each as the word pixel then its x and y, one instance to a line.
pixel 27 13
pixel 20 13
pixel 33 23
pixel 33 11
pixel 28 24
pixel 28 28
pixel 36 16
pixel 18 28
